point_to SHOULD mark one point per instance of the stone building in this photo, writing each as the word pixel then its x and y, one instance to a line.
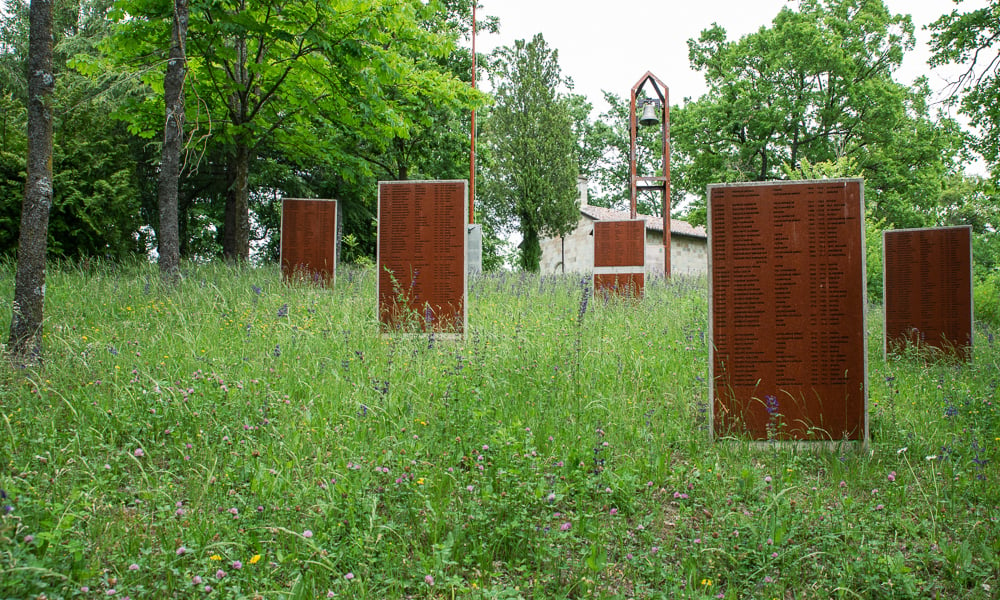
pixel 574 253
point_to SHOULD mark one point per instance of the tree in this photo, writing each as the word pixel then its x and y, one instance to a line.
pixel 530 134
pixel 96 201
pixel 25 343
pixel 168 236
pixel 972 39
pixel 286 77
pixel 817 84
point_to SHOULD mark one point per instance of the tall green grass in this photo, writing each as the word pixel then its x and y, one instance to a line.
pixel 236 437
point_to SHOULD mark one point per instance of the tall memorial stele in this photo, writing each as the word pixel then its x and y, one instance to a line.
pixel 788 357
pixel 927 291
pixel 422 256
pixel 309 239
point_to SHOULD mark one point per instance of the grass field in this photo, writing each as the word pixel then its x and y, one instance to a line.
pixel 239 438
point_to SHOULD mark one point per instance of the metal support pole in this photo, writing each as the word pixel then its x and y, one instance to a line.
pixel 472 153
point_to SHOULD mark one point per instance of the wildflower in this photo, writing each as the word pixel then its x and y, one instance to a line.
pixel 255 559
pixel 469 487
pixel 181 551
pixel 767 479
pixel 879 506
pixel 843 483
pixel 706 582
pixel 428 579
pixel 220 574
pixel 330 594
pixel 111 592
pixel 654 549
pixel 892 476
pixel 307 533
pixel 565 526
pixel 614 511
pixel 215 557
pixel 133 567
pixel 208 589
pixel 84 589
pixel 283 311
pixel 139 453
pixel 234 511
pixel 29 538
pixel 349 576
pixel 237 565
pixel 697 540
pixel 767 579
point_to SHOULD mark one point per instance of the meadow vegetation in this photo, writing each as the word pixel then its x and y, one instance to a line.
pixel 237 437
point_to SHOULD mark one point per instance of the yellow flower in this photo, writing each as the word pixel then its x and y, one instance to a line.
pixel 255 559
pixel 420 481
pixel 706 582
pixel 215 557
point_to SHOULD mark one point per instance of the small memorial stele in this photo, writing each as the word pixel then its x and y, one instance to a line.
pixel 788 357
pixel 620 257
pixel 422 256
pixel 927 291
pixel 308 248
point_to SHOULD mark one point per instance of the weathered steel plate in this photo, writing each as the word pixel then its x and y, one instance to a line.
pixel 620 257
pixel 928 289
pixel 422 255
pixel 787 310
pixel 309 239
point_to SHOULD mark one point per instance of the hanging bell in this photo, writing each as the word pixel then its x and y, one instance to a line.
pixel 649 116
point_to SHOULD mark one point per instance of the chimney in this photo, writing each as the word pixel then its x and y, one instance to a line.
pixel 581 188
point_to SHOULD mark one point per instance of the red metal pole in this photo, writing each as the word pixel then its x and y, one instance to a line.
pixel 472 153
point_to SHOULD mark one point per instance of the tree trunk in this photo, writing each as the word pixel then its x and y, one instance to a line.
pixel 531 250
pixel 236 239
pixel 25 345
pixel 168 237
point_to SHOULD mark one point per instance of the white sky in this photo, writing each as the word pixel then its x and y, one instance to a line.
pixel 610 44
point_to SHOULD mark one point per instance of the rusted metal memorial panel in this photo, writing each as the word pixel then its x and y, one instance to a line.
pixel 928 288
pixel 620 257
pixel 422 255
pixel 309 239
pixel 787 310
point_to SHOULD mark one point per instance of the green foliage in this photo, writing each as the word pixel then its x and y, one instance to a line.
pixel 532 179
pixel 238 424
pixel 816 85
pixel 322 95
pixel 611 173
pixel 874 268
pixel 969 39
pixel 96 198
pixel 986 300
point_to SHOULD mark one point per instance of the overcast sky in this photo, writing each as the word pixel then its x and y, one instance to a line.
pixel 610 44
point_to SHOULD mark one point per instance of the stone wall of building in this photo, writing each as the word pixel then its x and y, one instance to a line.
pixel 575 252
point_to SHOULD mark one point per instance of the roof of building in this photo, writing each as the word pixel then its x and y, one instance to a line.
pixel 677 227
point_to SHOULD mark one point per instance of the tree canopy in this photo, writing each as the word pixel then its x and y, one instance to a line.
pixel 818 85
pixel 532 178
pixel 972 40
